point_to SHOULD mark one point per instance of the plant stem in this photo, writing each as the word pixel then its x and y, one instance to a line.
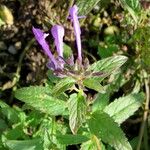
pixel 97 142
pixel 145 115
pixel 17 74
pixel 146 147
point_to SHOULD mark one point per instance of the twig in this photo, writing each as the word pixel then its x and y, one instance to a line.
pixel 17 74
pixel 87 53
pixel 145 115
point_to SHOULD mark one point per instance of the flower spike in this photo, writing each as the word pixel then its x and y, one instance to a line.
pixel 40 37
pixel 77 31
pixel 58 34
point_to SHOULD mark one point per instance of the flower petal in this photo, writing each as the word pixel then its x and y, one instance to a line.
pixel 40 37
pixel 77 31
pixel 58 34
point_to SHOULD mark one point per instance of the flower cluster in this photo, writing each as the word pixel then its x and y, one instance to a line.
pixel 57 64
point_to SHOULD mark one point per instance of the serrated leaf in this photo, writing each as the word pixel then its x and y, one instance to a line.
pixel 124 107
pixel 100 102
pixel 103 126
pixel 40 99
pixel 63 85
pixel 132 6
pixel 108 65
pixel 10 113
pixel 77 111
pixel 69 139
pixel 94 84
pixel 85 6
pixel 35 144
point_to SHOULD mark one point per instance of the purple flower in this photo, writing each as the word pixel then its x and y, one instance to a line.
pixel 40 37
pixel 73 15
pixel 58 34
pixel 60 66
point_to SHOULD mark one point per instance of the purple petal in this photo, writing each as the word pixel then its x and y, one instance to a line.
pixel 77 31
pixel 50 65
pixel 58 34
pixel 40 37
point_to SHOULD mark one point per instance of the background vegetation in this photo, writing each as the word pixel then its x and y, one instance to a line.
pixel 120 103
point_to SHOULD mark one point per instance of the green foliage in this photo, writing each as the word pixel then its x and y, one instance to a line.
pixel 40 99
pixel 134 4
pixel 133 7
pixel 104 127
pixel 85 6
pixel 77 111
pixel 109 46
pixel 124 107
pixel 92 144
pixel 93 84
pixel 67 51
pixel 35 144
pixel 69 139
pixel 63 85
pixel 108 65
pixel 81 109
pixel 141 37
pixel 101 101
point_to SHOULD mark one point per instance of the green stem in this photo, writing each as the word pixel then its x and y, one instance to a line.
pixel 145 115
pixel 96 140
pixel 146 147
pixel 17 74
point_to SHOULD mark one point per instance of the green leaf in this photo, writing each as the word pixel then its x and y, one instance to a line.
pixel 69 139
pixel 92 145
pixel 85 6
pixel 100 101
pixel 108 65
pixel 124 107
pixel 103 126
pixel 77 111
pixel 89 145
pixel 16 133
pixel 132 6
pixel 10 113
pixel 63 85
pixel 35 144
pixel 39 98
pixel 3 125
pixel 67 51
pixel 94 84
